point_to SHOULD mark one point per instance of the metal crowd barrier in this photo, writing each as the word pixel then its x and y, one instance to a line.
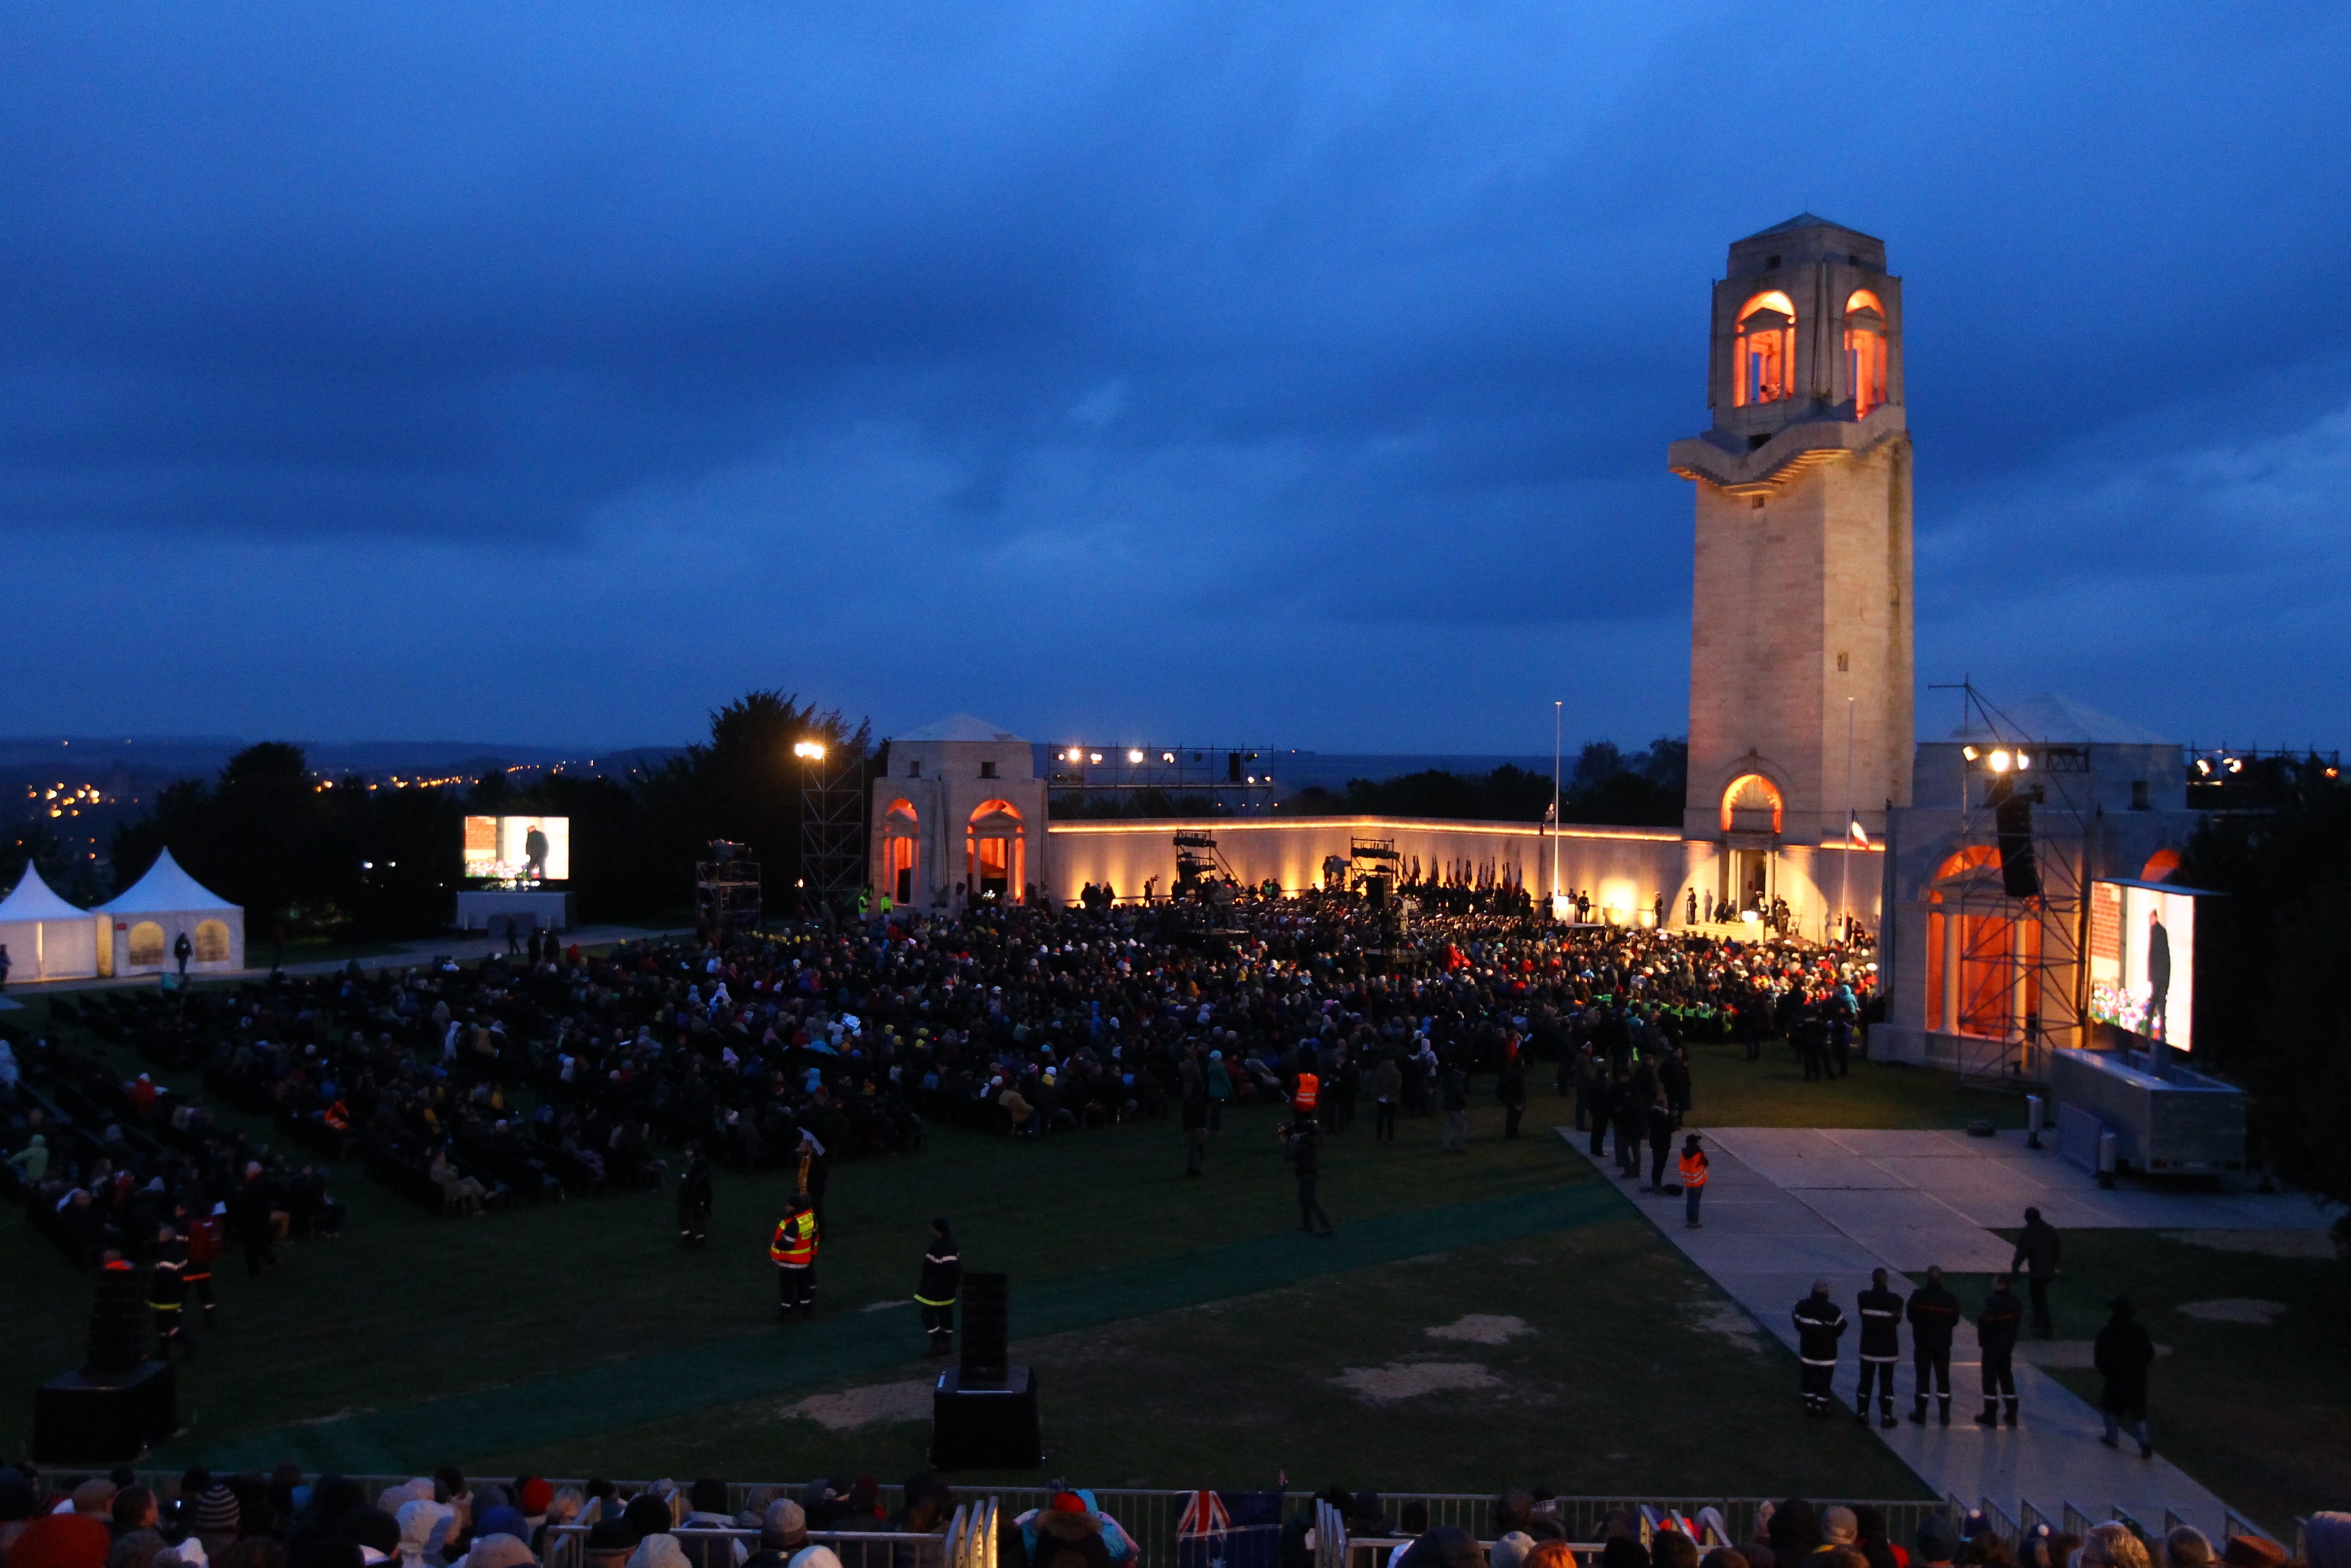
pixel 855 1548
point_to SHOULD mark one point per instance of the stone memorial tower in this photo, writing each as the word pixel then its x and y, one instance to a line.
pixel 1801 683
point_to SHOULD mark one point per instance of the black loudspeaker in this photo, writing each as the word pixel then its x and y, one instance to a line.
pixel 993 1426
pixel 104 1418
pixel 2012 815
pixel 1378 886
pixel 986 1328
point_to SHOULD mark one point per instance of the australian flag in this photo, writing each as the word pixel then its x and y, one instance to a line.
pixel 1229 1530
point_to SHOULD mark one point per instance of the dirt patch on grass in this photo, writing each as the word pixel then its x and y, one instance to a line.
pixel 881 1404
pixel 1730 1322
pixel 1410 1379
pixel 1481 1328
pixel 2233 1309
pixel 2261 1243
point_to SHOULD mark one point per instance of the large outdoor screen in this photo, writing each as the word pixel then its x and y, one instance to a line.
pixel 2143 961
pixel 518 849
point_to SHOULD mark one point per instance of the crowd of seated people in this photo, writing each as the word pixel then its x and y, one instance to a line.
pixel 289 1520
pixel 101 1164
pixel 471 1086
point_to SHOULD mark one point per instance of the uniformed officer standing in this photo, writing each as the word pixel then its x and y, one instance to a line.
pixel 1934 1314
pixel 695 1197
pixel 1818 1325
pixel 942 1282
pixel 205 1235
pixel 793 1252
pixel 1881 1347
pixel 167 1294
pixel 1996 1332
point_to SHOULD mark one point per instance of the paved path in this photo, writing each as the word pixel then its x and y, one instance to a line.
pixel 1765 1242
pixel 842 1342
pixel 466 946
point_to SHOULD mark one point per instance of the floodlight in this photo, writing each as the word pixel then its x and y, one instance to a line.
pixel 1134 755
pixel 1166 756
pixel 1093 757
pixel 1969 752
pixel 808 750
pixel 2000 761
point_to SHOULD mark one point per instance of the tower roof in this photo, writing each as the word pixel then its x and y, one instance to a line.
pixel 1809 221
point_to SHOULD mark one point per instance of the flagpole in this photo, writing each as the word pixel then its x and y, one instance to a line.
pixel 1557 711
pixel 1845 861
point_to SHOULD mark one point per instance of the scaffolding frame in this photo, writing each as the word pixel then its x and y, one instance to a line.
pixel 832 827
pixel 2040 992
pixel 727 889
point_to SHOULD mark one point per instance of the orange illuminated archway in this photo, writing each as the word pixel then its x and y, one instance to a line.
pixel 1763 351
pixel 996 852
pixel 1982 976
pixel 2159 866
pixel 901 850
pixel 1865 350
pixel 1746 797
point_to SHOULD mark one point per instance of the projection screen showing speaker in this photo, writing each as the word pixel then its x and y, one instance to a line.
pixel 518 850
pixel 2143 960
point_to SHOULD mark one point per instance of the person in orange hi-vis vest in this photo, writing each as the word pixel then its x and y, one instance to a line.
pixel 1693 1169
pixel 1308 1094
pixel 793 1252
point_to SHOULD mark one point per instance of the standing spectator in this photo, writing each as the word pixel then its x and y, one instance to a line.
pixel 1221 1091
pixel 1661 1143
pixel 1194 1114
pixel 1387 1093
pixel 252 1221
pixel 2036 1260
pixel 696 1195
pixel 1818 1325
pixel 1934 1314
pixel 2123 1353
pixel 1510 1089
pixel 1632 1114
pixel 1456 1140
pixel 182 950
pixel 1996 1330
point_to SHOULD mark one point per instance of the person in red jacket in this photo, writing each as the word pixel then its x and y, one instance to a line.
pixel 793 1252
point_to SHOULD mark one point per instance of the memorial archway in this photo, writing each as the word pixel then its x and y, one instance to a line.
pixel 901 851
pixel 1984 977
pixel 996 852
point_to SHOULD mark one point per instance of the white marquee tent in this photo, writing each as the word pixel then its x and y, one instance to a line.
pixel 46 938
pixel 166 903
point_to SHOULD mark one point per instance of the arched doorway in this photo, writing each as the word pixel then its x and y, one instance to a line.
pixel 901 851
pixel 1983 977
pixel 1752 806
pixel 996 853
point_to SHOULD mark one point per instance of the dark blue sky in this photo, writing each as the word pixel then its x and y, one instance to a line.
pixel 1296 372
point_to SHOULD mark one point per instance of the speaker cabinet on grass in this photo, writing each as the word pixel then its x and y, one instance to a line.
pixel 984 1410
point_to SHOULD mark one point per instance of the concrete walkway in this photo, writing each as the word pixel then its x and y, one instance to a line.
pixel 468 946
pixel 1765 1241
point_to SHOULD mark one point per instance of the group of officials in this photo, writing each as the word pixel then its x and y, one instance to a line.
pixel 2123 1351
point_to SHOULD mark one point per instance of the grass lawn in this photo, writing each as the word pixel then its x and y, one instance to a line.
pixel 2261 1413
pixel 1184 1334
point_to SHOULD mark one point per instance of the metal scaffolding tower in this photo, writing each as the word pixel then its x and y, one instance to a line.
pixel 832 823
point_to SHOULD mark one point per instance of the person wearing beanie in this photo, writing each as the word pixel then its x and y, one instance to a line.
pixel 1938 1543
pixel 95 1495
pixel 783 1531
pixel 1067 1536
pixel 424 1527
pixel 2327 1539
pixel 659 1551
pixel 217 1518
pixel 375 1532
pixel 533 1494
pixel 610 1542
pixel 707 1506
pixel 499 1550
pixel 62 1541
pixel 1511 1548
pixel 815 1557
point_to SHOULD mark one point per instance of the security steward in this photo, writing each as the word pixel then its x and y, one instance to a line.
pixel 942 1282
pixel 1996 1330
pixel 1934 1314
pixel 1820 1323
pixel 1692 1166
pixel 167 1294
pixel 793 1252
pixel 1881 1347
pixel 696 1195
pixel 1305 1098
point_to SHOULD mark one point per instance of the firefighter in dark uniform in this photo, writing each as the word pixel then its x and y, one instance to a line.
pixel 1302 1146
pixel 695 1197
pixel 1996 1331
pixel 167 1294
pixel 206 1238
pixel 1881 1347
pixel 1818 1325
pixel 1934 1314
pixel 942 1282
pixel 793 1252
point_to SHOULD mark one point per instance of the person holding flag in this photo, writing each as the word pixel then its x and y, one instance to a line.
pixel 793 1252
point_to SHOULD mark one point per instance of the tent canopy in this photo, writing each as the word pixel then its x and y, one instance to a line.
pixel 165 890
pixel 33 901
